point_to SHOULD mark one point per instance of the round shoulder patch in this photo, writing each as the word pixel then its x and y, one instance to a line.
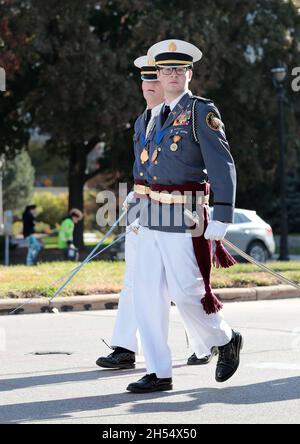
pixel 213 121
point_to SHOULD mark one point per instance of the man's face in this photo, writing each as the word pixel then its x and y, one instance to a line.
pixel 153 91
pixel 174 83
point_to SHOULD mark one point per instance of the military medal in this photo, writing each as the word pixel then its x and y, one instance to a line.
pixel 174 145
pixel 183 119
pixel 154 155
pixel 144 156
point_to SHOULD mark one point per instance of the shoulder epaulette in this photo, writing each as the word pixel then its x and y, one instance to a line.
pixel 201 99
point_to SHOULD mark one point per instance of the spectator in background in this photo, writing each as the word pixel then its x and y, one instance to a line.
pixel 34 245
pixel 66 232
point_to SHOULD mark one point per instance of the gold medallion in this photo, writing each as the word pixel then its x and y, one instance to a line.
pixel 154 155
pixel 174 147
pixel 144 156
pixel 176 138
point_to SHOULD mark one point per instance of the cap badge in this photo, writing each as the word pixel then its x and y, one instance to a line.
pixel 151 61
pixel 172 47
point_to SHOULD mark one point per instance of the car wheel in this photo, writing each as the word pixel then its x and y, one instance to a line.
pixel 258 251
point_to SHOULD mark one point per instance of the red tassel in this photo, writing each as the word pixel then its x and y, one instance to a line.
pixel 211 303
pixel 222 259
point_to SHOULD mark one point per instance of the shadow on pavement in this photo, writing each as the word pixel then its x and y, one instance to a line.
pixel 261 393
pixel 60 378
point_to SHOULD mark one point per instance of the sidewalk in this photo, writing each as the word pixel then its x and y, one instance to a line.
pixel 110 301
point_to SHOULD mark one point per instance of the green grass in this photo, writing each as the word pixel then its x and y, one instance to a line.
pixel 52 242
pixel 292 250
pixel 96 277
pixel 107 277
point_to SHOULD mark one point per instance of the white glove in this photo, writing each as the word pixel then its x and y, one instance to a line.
pixel 129 200
pixel 134 227
pixel 216 230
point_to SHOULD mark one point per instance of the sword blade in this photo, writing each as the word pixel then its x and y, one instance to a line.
pixel 260 265
pixel 87 259
pixel 250 259
pixel 28 301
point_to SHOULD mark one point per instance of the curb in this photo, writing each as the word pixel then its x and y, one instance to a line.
pixel 110 301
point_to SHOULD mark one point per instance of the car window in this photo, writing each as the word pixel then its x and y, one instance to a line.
pixel 240 218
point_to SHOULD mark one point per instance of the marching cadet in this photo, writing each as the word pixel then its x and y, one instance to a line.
pixel 188 153
pixel 124 340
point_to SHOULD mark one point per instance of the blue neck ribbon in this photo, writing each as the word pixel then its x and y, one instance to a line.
pixel 160 135
pixel 143 140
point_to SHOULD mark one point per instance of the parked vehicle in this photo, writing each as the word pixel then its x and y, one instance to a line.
pixel 251 234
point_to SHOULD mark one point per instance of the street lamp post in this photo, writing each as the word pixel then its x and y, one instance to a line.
pixel 1 197
pixel 279 75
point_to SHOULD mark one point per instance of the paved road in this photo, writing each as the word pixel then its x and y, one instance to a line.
pixel 70 389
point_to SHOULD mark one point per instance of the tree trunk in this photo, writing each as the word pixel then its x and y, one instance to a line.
pixel 77 167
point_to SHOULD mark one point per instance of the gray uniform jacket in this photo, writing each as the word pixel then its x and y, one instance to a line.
pixel 139 142
pixel 139 169
pixel 182 152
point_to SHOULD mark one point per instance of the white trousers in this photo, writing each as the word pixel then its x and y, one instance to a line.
pixel 166 265
pixel 125 330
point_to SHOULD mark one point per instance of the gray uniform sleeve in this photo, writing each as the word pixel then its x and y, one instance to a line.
pixel 137 125
pixel 218 160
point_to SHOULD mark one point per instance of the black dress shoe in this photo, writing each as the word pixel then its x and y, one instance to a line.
pixel 120 359
pixel 193 360
pixel 150 383
pixel 229 358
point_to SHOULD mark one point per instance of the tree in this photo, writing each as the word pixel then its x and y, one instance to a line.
pixel 18 183
pixel 14 124
pixel 87 90
pixel 241 41
pixel 68 102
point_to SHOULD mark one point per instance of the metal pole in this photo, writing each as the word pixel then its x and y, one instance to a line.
pixel 6 250
pixel 284 249
pixel 1 201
